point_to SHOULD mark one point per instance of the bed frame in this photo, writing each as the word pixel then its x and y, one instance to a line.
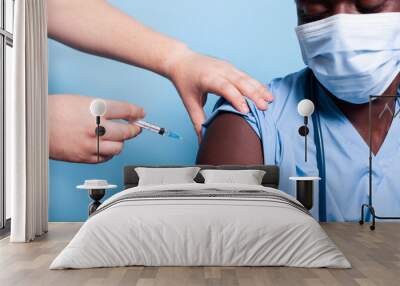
pixel 271 177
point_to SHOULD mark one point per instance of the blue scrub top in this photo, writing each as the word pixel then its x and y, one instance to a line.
pixel 346 153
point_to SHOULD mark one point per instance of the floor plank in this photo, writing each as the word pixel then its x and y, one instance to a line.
pixel 375 257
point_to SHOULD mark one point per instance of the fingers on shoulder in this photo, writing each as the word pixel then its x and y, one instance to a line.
pixel 252 89
pixel 224 87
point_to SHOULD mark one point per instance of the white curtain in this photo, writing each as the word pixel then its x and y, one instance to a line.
pixel 26 123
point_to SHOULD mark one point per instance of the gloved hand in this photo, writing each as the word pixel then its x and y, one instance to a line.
pixel 195 75
pixel 72 128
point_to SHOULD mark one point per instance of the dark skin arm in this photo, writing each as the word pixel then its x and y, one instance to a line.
pixel 230 141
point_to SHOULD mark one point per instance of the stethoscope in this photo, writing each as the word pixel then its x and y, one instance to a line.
pixel 311 94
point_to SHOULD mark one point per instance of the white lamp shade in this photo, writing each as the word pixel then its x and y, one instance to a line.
pixel 98 107
pixel 305 107
pixel 96 185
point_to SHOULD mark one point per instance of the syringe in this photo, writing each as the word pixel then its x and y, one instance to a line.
pixel 156 129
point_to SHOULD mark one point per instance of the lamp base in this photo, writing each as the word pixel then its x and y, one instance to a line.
pixel 96 195
pixel 305 190
pixel 305 193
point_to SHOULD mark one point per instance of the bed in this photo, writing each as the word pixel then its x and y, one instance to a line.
pixel 198 224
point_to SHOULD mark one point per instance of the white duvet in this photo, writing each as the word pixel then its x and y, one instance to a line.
pixel 200 231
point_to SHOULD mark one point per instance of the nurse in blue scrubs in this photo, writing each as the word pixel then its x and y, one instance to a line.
pixel 352 51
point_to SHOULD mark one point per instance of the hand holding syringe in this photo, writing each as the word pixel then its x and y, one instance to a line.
pixel 98 108
pixel 159 130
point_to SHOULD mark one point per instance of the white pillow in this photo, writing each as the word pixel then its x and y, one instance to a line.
pixel 166 176
pixel 248 177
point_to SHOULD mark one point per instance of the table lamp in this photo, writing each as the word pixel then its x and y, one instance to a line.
pixel 97 190
pixel 305 185
pixel 305 108
pixel 98 108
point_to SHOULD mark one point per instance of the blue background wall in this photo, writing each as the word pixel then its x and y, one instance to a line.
pixel 257 36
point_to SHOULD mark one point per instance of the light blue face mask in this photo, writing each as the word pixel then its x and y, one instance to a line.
pixel 353 55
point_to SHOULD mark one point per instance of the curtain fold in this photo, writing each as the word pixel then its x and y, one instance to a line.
pixel 26 124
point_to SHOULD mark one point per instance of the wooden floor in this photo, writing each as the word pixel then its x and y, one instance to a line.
pixel 375 257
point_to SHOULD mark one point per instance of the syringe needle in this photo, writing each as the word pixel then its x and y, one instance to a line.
pixel 173 135
pixel 156 129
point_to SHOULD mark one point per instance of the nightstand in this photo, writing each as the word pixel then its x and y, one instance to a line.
pixel 97 190
pixel 305 190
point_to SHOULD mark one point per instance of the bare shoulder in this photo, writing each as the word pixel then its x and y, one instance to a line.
pixel 230 140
